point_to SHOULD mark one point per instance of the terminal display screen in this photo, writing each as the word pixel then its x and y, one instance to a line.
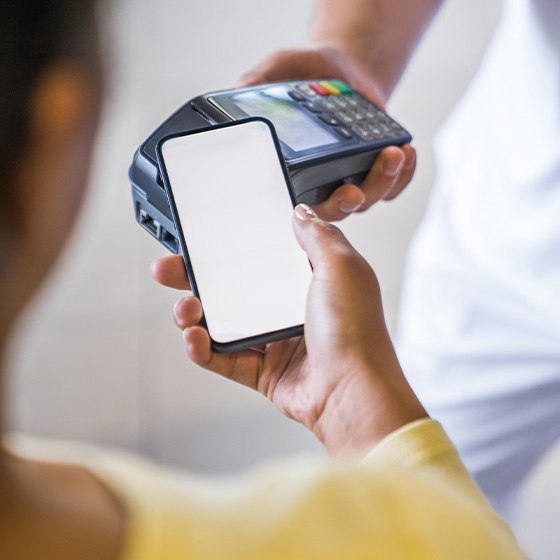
pixel 295 128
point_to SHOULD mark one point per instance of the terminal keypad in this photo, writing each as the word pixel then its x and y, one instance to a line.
pixel 346 111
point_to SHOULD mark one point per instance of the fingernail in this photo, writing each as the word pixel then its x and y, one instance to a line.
pixel 392 167
pixel 304 212
pixel 187 341
pixel 175 308
pixel 348 207
pixel 410 161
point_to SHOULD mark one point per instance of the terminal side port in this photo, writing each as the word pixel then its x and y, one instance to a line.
pixel 149 224
pixel 160 233
pixel 169 241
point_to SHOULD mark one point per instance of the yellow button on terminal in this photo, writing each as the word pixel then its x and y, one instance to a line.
pixel 330 88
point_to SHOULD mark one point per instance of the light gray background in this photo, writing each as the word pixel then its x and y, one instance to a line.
pixel 98 356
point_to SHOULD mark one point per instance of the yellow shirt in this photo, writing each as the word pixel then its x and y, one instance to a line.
pixel 410 498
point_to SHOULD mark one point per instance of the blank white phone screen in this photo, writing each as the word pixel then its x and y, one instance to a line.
pixel 235 211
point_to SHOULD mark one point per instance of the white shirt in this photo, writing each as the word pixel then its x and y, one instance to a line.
pixel 479 329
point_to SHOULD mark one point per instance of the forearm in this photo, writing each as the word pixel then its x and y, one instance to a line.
pixel 381 34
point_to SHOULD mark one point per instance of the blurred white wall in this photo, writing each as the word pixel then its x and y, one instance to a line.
pixel 98 356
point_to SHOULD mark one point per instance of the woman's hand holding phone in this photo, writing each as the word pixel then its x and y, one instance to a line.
pixel 342 379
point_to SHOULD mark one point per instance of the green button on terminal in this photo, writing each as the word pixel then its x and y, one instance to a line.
pixel 343 87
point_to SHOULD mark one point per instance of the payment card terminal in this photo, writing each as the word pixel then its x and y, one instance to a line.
pixel 329 134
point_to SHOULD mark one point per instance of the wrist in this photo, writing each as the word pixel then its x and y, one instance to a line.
pixel 380 34
pixel 364 409
pixel 354 48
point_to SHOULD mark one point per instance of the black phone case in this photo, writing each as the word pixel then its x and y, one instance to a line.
pixel 245 343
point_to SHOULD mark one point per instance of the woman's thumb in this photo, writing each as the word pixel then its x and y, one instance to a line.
pixel 320 240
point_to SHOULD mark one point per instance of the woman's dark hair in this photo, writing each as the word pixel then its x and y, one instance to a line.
pixel 33 35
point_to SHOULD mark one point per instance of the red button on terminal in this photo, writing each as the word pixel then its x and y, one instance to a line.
pixel 318 88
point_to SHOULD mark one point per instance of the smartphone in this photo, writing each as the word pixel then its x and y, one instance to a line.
pixel 232 202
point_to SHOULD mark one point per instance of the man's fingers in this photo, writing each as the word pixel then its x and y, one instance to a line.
pixel 391 173
pixel 343 201
pixel 406 174
pixel 170 271
pixel 281 65
pixel 383 175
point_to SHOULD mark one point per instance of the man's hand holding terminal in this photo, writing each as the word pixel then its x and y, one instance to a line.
pixel 366 43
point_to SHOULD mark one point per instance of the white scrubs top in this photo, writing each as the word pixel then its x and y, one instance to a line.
pixel 479 326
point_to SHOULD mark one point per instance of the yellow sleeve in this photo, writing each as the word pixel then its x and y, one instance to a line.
pixel 411 499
